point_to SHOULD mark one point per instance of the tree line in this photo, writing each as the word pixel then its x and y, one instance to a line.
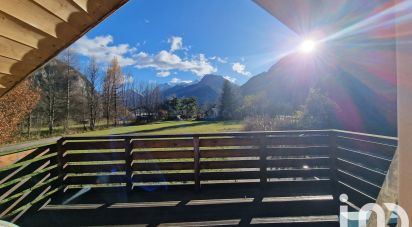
pixel 58 99
pixel 259 114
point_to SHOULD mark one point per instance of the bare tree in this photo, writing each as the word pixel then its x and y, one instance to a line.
pixel 48 83
pixel 69 58
pixel 92 74
pixel 151 99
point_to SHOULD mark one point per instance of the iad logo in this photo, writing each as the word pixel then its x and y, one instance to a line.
pixel 349 219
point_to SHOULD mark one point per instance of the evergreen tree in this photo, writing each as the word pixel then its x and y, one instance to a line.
pixel 227 107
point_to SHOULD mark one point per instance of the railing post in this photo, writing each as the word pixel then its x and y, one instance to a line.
pixel 263 162
pixel 128 163
pixel 333 150
pixel 60 162
pixel 196 151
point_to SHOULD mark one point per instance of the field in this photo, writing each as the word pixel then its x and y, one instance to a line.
pixel 164 127
pixel 171 127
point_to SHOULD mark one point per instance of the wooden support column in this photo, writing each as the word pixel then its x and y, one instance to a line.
pixel 61 162
pixel 263 162
pixel 196 151
pixel 404 80
pixel 128 148
pixel 333 155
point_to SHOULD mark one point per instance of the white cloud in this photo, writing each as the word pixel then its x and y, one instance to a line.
pixel 166 61
pixel 231 79
pixel 240 68
pixel 163 73
pixel 176 43
pixel 102 48
pixel 219 59
pixel 179 81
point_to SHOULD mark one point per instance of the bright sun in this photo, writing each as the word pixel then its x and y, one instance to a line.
pixel 307 46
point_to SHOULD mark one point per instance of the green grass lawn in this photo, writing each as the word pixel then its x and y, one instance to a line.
pixel 171 127
pixel 164 127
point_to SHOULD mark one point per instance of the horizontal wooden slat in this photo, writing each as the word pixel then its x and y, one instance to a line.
pixel 219 142
pixel 359 184
pixel 364 159
pixel 226 153
pixel 356 197
pixel 162 155
pixel 230 175
pixel 368 137
pixel 229 164
pixel 163 166
pixel 299 162
pixel 95 168
pixel 378 149
pixel 163 143
pixel 373 176
pixel 304 173
pixel 103 156
pixel 298 151
pixel 207 135
pixel 166 177
pixel 102 179
pixel 93 145
pixel 297 140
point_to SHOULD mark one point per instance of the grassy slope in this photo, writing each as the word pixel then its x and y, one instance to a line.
pixel 171 127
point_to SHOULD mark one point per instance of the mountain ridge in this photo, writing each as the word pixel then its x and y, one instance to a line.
pixel 207 90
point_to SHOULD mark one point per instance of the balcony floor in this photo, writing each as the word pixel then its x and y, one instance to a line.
pixel 279 204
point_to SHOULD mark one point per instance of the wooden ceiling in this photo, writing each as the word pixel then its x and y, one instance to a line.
pixel 34 31
pixel 326 16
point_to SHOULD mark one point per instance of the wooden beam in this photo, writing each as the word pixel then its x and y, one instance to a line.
pixel 46 27
pixel 67 11
pixel 12 49
pixel 14 30
pixel 32 14
pixel 6 65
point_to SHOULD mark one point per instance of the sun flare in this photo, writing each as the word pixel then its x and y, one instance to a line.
pixel 307 46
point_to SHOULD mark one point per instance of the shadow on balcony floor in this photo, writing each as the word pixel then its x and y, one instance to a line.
pixel 215 205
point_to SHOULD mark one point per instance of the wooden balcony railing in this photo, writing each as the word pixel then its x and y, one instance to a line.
pixel 29 183
pixel 326 160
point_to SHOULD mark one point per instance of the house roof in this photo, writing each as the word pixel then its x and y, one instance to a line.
pixel 34 31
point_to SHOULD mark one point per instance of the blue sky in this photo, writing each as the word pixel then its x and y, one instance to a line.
pixel 181 40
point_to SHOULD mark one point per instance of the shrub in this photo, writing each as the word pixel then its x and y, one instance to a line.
pixel 266 123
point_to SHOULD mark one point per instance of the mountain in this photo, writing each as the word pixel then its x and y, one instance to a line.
pixel 366 102
pixel 77 84
pixel 207 90
pixel 286 84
